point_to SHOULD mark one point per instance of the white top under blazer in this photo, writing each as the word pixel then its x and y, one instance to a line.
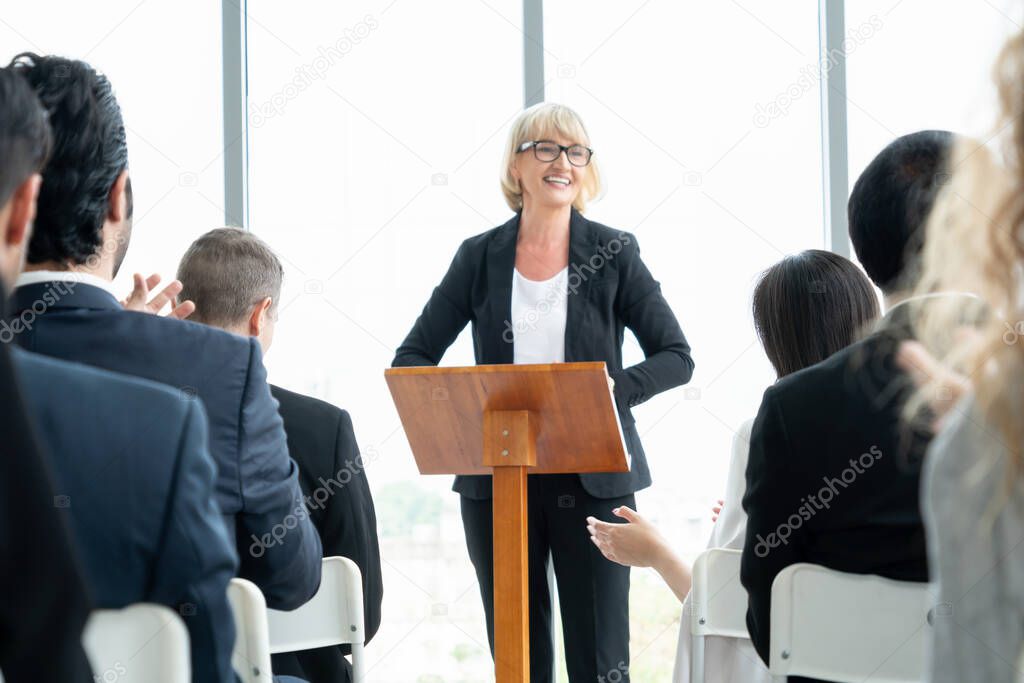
pixel 726 660
pixel 538 318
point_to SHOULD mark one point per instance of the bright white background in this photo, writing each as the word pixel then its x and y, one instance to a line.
pixel 366 180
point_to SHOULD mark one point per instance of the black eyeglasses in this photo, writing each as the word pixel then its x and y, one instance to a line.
pixel 545 150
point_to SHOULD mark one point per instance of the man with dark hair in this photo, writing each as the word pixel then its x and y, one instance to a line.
pixel 123 440
pixel 834 472
pixel 890 204
pixel 82 231
pixel 234 280
pixel 71 231
pixel 74 232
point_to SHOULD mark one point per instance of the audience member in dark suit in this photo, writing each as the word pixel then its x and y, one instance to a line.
pixel 806 307
pixel 833 473
pixel 46 603
pixel 64 308
pixel 234 280
pixel 134 478
pixel 139 494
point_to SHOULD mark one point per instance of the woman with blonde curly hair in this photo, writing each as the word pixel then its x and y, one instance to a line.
pixel 973 490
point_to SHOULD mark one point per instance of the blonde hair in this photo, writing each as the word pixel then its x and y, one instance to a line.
pixel 535 123
pixel 975 243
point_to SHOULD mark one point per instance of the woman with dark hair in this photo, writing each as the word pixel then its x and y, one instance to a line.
pixel 806 307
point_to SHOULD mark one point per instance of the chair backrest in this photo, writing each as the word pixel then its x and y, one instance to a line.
pixel 718 602
pixel 251 655
pixel 847 627
pixel 141 643
pixel 334 616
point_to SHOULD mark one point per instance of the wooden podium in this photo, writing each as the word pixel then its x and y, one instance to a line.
pixel 510 421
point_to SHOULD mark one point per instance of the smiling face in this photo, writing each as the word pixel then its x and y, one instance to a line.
pixel 554 184
pixel 526 181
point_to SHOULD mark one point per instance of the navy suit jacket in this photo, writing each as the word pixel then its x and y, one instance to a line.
pixel 134 479
pixel 257 485
pixel 609 289
pixel 45 604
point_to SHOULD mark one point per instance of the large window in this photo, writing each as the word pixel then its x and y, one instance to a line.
pixel 676 97
pixel 375 141
pixel 368 168
pixel 171 101
pixel 925 65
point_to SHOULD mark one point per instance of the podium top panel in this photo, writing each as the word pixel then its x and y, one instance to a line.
pixel 570 404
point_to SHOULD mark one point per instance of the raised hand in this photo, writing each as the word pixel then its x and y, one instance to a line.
pixel 139 299
pixel 922 368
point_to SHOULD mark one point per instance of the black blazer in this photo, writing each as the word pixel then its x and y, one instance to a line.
pixel 834 468
pixel 610 289
pixel 333 477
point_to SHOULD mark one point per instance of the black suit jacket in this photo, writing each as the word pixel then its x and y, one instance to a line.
pixel 257 486
pixel 332 474
pixel 610 289
pixel 834 468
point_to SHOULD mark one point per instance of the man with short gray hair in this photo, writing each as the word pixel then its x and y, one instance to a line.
pixel 234 279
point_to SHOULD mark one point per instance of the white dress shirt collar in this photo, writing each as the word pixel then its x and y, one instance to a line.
pixel 36 276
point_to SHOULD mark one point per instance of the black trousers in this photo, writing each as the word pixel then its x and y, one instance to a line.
pixel 593 592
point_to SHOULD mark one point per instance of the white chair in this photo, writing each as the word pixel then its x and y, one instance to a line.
pixel 849 628
pixel 141 643
pixel 718 603
pixel 250 657
pixel 334 616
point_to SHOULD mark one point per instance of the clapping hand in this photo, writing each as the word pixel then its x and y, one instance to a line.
pixel 139 299
pixel 637 543
pixel 634 544
pixel 913 358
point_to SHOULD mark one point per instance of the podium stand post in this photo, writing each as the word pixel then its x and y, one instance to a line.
pixel 510 448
